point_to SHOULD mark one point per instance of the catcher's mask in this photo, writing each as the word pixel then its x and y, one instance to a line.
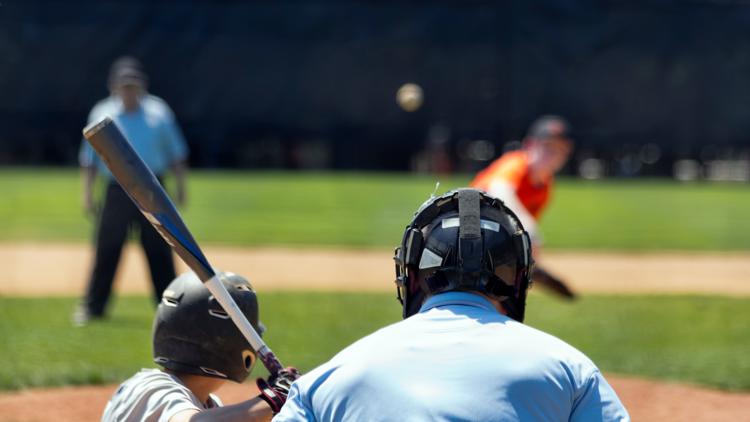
pixel 464 240
pixel 193 334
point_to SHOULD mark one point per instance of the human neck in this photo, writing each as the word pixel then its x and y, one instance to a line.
pixel 199 385
pixel 495 303
pixel 131 108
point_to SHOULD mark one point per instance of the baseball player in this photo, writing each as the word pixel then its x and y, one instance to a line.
pixel 199 349
pixel 524 179
pixel 150 126
pixel 461 353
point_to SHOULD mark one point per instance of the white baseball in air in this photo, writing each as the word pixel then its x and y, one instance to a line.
pixel 409 97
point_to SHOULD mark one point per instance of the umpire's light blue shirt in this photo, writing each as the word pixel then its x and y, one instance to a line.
pixel 456 360
pixel 151 130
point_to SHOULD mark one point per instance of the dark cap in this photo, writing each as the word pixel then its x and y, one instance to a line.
pixel 122 63
pixel 549 126
pixel 125 61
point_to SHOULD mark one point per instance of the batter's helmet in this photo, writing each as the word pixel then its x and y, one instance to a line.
pixel 464 240
pixel 193 334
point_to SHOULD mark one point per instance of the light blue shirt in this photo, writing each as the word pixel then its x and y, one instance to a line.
pixel 151 130
pixel 457 360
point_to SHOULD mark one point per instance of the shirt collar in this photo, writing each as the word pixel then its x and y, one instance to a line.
pixel 457 298
pixel 119 108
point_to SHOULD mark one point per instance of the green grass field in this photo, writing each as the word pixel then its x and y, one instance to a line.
pixel 687 338
pixel 370 210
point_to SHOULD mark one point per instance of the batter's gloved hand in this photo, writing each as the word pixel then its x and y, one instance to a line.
pixel 275 390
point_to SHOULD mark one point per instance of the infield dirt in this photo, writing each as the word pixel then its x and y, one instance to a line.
pixel 61 269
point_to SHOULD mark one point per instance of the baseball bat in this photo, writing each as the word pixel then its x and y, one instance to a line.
pixel 543 277
pixel 140 183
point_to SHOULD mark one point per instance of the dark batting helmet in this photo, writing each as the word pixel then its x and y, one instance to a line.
pixel 193 334
pixel 464 240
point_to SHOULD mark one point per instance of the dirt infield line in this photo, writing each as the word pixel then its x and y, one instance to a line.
pixel 61 269
pixel 645 400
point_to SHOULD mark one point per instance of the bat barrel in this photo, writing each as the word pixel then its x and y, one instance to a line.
pixel 140 183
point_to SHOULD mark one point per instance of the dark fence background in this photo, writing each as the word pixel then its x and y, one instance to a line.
pixel 290 84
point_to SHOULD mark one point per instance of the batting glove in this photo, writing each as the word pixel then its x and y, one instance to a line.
pixel 276 389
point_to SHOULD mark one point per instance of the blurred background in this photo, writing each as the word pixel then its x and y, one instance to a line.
pixel 651 88
pixel 315 130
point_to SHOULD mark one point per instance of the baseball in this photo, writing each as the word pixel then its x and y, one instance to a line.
pixel 409 97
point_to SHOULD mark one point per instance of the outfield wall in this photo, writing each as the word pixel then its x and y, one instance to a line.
pixel 311 84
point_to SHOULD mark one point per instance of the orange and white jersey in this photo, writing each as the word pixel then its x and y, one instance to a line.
pixel 509 178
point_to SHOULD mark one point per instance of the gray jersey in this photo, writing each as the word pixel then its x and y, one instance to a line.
pixel 152 395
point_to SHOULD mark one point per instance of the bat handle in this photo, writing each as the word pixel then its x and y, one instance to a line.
pixel 270 361
pixel 221 294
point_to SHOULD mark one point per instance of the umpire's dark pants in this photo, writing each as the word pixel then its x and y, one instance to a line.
pixel 118 215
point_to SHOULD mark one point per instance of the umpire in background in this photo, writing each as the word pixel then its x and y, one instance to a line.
pixel 150 126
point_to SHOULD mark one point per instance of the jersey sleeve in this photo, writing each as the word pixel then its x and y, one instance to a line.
pixel 597 401
pixel 511 170
pixel 87 157
pixel 171 402
pixel 311 398
pixel 509 195
pixel 296 408
pixel 174 144
pixel 150 397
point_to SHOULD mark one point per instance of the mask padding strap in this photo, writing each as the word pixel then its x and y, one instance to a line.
pixel 414 245
pixel 522 246
pixel 469 232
